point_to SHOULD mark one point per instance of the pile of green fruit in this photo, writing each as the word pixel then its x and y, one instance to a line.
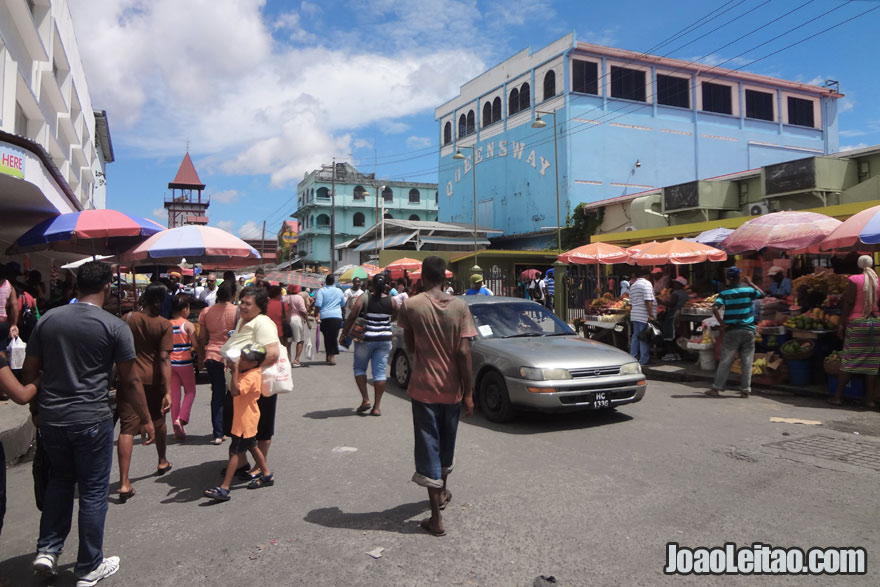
pixel 797 347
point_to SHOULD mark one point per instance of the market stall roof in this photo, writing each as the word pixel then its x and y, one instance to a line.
pixel 414 234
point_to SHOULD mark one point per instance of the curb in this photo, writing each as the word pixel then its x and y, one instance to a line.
pixel 17 433
pixel 683 375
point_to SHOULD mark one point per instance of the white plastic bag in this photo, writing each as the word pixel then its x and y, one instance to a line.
pixel 278 378
pixel 308 345
pixel 16 352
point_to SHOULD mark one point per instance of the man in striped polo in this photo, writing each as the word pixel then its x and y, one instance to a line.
pixel 737 330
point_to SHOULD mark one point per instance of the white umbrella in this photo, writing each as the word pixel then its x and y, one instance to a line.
pixel 83 261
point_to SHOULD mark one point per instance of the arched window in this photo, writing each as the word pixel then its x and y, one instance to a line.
pixel 358 219
pixel 388 216
pixel 387 194
pixel 549 84
pixel 496 109
pixel 323 221
pixel 462 125
pixel 513 102
pixel 414 196
pixel 360 193
pixel 447 133
pixel 525 98
pixel 487 114
pixel 471 124
pixel 323 194
pixel 415 217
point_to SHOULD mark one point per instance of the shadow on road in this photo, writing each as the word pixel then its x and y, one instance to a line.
pixel 188 484
pixel 396 519
pixel 335 413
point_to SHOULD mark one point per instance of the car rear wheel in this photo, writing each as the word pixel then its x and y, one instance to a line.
pixel 494 399
pixel 401 369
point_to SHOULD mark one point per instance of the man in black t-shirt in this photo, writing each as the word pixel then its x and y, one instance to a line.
pixel 81 342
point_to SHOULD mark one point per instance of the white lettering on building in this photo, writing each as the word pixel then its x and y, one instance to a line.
pixel 449 190
pixel 490 149
pixel 531 159
pixel 502 148
pixel 481 155
pixel 467 165
pixel 544 165
pixel 518 149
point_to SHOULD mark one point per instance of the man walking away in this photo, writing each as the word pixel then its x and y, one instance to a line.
pixel 737 330
pixel 549 290
pixel 436 329
pixel 641 297
pixel 75 420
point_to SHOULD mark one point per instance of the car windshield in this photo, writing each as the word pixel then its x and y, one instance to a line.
pixel 517 319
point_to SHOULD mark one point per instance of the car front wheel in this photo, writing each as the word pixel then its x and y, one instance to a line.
pixel 494 399
pixel 401 369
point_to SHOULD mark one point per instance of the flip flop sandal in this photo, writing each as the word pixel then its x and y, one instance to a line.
pixel 217 493
pixel 262 481
pixel 375 413
pixel 162 470
pixel 426 526
pixel 445 502
pixel 363 408
pixel 712 393
pixel 124 496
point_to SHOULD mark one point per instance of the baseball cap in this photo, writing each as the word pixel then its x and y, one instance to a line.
pixel 733 272
pixel 775 269
pixel 254 352
pixel 681 280
pixel 476 278
pixel 174 274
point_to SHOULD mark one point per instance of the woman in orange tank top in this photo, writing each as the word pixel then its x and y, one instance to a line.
pixel 182 370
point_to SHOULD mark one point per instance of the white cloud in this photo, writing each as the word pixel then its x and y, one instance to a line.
pixel 290 23
pixel 226 225
pixel 251 229
pixel 160 213
pixel 845 105
pixel 853 147
pixel 226 196
pixel 309 9
pixel 395 127
pixel 418 142
pixel 254 105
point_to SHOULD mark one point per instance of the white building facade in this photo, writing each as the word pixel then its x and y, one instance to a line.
pixel 54 146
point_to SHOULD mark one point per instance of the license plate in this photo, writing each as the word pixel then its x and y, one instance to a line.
pixel 600 400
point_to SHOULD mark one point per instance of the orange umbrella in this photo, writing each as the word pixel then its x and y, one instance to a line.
pixel 595 253
pixel 370 269
pixel 398 267
pixel 417 275
pixel 677 252
pixel 639 247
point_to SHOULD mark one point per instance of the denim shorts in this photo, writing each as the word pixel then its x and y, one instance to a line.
pixel 375 352
pixel 435 427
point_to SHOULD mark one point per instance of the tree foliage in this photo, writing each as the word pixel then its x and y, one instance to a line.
pixel 581 225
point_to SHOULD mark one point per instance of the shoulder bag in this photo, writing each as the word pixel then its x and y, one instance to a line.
pixel 359 327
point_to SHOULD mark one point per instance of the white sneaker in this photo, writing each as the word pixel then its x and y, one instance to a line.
pixel 107 567
pixel 46 564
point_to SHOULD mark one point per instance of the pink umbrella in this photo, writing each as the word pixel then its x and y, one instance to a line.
pixel 677 252
pixel 639 247
pixel 781 232
pixel 593 254
pixel 855 232
pixel 198 244
pixel 398 267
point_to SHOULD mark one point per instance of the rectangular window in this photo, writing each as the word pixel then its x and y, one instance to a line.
pixel 717 98
pixel 585 77
pixel 800 112
pixel 21 121
pixel 759 105
pixel 673 91
pixel 627 83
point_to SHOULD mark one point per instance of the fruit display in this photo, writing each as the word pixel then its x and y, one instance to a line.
pixel 705 303
pixel 607 303
pixel 771 323
pixel 815 319
pixel 759 366
pixel 825 283
pixel 797 349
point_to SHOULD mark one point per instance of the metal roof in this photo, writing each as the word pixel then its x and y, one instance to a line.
pixel 102 132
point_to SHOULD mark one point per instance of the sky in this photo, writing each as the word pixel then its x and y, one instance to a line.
pixel 264 91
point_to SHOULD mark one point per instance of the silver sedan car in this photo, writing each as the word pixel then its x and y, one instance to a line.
pixel 526 358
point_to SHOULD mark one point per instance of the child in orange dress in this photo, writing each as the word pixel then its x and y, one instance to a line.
pixel 246 389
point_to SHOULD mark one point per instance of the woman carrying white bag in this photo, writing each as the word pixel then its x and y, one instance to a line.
pixel 255 327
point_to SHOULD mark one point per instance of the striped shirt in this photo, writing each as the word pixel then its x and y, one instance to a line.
pixel 182 353
pixel 550 286
pixel 640 291
pixel 377 319
pixel 737 303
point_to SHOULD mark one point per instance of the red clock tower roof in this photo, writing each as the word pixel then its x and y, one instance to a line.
pixel 186 177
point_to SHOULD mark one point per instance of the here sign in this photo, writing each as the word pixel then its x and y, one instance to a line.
pixel 12 161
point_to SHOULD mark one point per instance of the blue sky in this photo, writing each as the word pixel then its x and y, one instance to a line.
pixel 266 90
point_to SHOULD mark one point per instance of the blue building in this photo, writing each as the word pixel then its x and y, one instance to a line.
pixel 625 122
pixel 360 200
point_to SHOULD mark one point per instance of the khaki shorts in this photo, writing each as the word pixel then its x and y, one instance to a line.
pixel 129 422
pixel 298 328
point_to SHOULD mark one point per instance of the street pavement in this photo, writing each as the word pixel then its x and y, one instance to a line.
pixel 589 499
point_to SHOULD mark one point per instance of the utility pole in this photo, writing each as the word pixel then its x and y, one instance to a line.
pixel 263 243
pixel 333 218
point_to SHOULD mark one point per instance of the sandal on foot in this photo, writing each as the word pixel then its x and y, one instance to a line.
pixel 426 526
pixel 179 432
pixel 247 475
pixel 262 481
pixel 446 501
pixel 217 441
pixel 124 496
pixel 238 471
pixel 375 412
pixel 217 493
pixel 162 470
pixel 712 393
pixel 363 408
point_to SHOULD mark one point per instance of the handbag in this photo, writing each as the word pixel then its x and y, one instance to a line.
pixel 277 378
pixel 359 327
pixel 650 332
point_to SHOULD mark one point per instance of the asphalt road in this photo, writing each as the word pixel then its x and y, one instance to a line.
pixel 589 499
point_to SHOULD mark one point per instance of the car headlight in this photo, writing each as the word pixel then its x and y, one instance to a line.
pixel 537 374
pixel 631 369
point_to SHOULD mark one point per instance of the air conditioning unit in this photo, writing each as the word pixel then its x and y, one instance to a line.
pixel 757 209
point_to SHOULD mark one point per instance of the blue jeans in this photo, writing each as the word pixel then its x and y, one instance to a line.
pixel 737 342
pixel 371 352
pixel 639 349
pixel 435 426
pixel 218 395
pixel 82 456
